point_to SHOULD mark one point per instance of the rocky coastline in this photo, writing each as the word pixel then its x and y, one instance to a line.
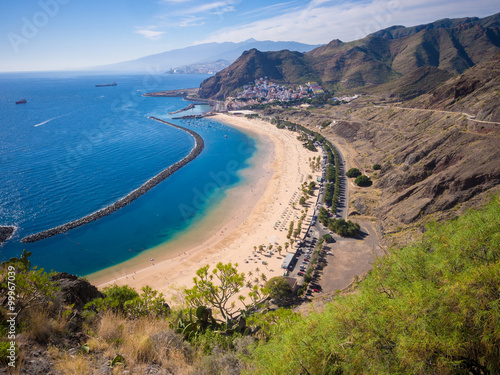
pixel 129 198
pixel 6 232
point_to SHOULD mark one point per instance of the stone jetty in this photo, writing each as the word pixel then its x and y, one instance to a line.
pixel 148 185
pixel 191 106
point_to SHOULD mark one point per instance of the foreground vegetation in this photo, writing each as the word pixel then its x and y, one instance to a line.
pixel 432 307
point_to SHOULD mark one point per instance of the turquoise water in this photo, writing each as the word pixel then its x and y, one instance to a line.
pixel 75 148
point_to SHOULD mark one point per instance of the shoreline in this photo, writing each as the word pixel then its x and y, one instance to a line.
pixel 247 217
pixel 130 197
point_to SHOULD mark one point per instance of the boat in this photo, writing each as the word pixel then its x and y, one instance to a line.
pixel 22 101
pixel 107 84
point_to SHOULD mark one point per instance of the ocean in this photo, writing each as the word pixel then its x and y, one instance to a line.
pixel 74 148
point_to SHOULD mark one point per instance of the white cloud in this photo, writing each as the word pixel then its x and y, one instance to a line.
pixel 216 7
pixel 321 21
pixel 190 21
pixel 150 34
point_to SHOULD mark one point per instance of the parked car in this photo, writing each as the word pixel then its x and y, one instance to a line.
pixel 315 290
pixel 300 273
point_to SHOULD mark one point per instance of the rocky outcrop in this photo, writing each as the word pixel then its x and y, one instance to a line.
pixel 6 232
pixel 74 290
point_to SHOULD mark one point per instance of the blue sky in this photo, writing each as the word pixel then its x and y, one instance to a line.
pixel 71 34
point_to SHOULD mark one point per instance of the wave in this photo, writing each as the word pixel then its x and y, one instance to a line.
pixel 50 119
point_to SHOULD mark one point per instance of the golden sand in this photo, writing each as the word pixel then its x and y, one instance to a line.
pixel 256 213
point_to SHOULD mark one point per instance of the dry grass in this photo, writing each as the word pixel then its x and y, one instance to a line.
pixel 42 324
pixel 65 363
pixel 144 343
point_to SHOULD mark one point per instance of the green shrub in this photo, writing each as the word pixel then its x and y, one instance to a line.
pixel 353 172
pixel 363 181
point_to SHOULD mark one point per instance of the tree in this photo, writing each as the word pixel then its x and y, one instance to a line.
pixel 344 228
pixel 279 249
pixel 278 288
pixel 363 181
pixel 287 245
pixel 302 201
pixel 353 172
pixel 216 288
pixel 377 167
pixel 328 238
pixel 32 287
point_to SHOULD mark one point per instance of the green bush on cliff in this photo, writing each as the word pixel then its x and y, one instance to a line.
pixel 431 307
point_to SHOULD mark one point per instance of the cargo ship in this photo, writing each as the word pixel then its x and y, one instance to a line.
pixel 107 84
pixel 22 101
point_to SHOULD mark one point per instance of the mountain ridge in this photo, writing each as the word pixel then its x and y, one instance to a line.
pixel 452 45
pixel 201 53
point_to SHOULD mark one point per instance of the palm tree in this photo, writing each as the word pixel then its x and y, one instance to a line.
pixel 255 248
pixel 270 247
pixel 291 241
pixel 261 247
pixel 287 245
pixel 279 249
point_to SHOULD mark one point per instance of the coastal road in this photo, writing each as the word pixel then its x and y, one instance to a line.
pixel 315 232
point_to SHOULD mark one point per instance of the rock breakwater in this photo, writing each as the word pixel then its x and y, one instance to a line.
pixel 129 198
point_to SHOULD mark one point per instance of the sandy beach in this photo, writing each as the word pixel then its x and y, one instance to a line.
pixel 256 213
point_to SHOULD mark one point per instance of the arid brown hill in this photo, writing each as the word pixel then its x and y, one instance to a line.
pixel 476 92
pixel 451 46
pixel 437 161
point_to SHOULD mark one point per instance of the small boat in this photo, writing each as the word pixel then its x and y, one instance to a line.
pixel 107 84
pixel 22 101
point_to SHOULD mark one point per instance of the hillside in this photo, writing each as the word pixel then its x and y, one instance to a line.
pixel 475 92
pixel 451 46
pixel 282 66
pixel 428 308
pixel 435 161
pixel 418 82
